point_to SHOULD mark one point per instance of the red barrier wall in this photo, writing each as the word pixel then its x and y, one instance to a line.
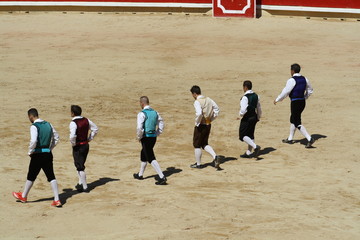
pixel 304 3
pixel 314 3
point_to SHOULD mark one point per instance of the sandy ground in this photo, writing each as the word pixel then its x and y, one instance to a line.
pixel 106 62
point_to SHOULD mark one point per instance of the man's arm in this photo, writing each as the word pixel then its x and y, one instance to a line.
pixel 216 110
pixel 140 125
pixel 73 128
pixel 309 89
pixel 33 139
pixel 161 125
pixel 290 84
pixel 198 113
pixel 243 105
pixel 258 109
pixel 55 139
pixel 93 130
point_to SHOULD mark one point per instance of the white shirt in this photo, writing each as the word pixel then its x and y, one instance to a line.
pixel 290 84
pixel 140 124
pixel 199 113
pixel 93 128
pixel 244 102
pixel 34 136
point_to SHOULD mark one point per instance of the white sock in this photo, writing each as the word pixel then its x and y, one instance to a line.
pixel 292 132
pixel 54 187
pixel 250 148
pixel 83 179
pixel 27 187
pixel 80 183
pixel 210 150
pixel 157 168
pixel 249 141
pixel 142 168
pixel 303 131
pixel 198 154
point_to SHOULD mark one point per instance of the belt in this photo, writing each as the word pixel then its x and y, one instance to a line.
pixel 294 99
pixel 42 150
pixel 82 143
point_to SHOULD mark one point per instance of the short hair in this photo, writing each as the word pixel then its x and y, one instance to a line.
pixel 195 89
pixel 296 68
pixel 247 84
pixel 144 99
pixel 33 112
pixel 76 110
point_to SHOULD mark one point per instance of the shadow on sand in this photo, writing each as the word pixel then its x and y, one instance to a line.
pixel 304 141
pixel 68 192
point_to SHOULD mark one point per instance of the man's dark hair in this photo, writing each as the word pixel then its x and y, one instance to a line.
pixel 195 89
pixel 144 99
pixel 247 84
pixel 76 110
pixel 33 112
pixel 296 68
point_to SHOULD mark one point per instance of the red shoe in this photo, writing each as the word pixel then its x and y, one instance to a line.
pixel 56 203
pixel 18 196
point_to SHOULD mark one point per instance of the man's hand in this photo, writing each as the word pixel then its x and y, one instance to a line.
pixel 275 102
pixel 238 118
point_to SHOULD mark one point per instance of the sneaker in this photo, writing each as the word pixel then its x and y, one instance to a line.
pixel 136 176
pixel 288 141
pixel 18 196
pixel 161 181
pixel 79 187
pixel 310 143
pixel 257 151
pixel 245 156
pixel 56 203
pixel 195 165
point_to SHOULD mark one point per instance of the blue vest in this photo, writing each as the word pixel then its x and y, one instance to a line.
pixel 151 118
pixel 45 135
pixel 299 90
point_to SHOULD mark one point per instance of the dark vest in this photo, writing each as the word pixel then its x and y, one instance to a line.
pixel 82 130
pixel 252 105
pixel 45 135
pixel 299 90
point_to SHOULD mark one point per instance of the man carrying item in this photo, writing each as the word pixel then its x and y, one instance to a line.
pixel 298 88
pixel 149 126
pixel 250 111
pixel 79 139
pixel 206 111
pixel 43 139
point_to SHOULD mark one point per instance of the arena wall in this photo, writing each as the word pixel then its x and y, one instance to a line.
pixel 329 8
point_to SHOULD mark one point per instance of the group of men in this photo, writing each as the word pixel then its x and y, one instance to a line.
pixel 43 138
pixel 150 125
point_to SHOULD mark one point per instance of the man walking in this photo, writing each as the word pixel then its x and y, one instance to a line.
pixel 79 139
pixel 298 88
pixel 206 111
pixel 250 111
pixel 43 138
pixel 149 126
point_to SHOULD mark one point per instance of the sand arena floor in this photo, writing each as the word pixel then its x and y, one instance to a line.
pixel 104 63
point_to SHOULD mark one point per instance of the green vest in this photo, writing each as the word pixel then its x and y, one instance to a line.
pixel 45 135
pixel 151 118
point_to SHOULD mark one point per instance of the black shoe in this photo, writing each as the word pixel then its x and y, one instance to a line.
pixel 195 165
pixel 87 190
pixel 245 156
pixel 217 162
pixel 79 188
pixel 161 181
pixel 257 151
pixel 310 143
pixel 288 141
pixel 136 176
